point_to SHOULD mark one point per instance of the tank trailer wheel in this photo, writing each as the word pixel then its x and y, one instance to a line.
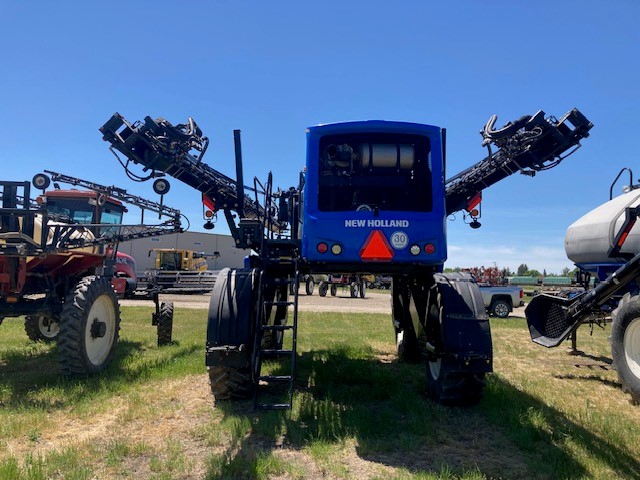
pixel 322 289
pixel 165 323
pixel 309 286
pixel 363 290
pixel 500 309
pixel 334 290
pixel 40 328
pixel 89 327
pixel 625 345
pixel 353 289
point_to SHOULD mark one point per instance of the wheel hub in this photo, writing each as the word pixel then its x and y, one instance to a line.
pixel 98 328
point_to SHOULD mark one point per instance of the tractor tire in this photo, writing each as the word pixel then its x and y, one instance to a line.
pixel 353 289
pixel 230 326
pixel 322 289
pixel 309 286
pixel 40 328
pixel 451 388
pixel 89 327
pixel 406 338
pixel 334 290
pixel 500 309
pixel 446 384
pixel 165 323
pixel 230 383
pixel 625 345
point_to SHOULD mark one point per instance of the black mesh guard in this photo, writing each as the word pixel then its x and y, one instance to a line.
pixel 549 321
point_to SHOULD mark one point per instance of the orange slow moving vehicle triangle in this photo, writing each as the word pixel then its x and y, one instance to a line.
pixel 376 248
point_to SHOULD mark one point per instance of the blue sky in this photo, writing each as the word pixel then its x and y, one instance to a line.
pixel 273 68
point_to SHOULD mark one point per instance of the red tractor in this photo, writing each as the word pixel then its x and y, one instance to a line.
pixel 60 268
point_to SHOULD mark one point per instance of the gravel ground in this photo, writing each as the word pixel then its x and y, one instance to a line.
pixel 373 303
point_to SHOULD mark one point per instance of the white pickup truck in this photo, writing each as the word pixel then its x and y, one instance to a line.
pixel 500 301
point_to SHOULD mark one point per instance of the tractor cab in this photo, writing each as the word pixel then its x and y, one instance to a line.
pixel 85 207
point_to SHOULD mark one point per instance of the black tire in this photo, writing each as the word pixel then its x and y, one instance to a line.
pixel 89 327
pixel 322 289
pixel 625 345
pixel 500 309
pixel 445 383
pixel 406 338
pixel 334 290
pixel 165 323
pixel 309 286
pixel 41 328
pixel 230 383
pixel 362 290
pixel 453 388
pixel 230 333
pixel 353 289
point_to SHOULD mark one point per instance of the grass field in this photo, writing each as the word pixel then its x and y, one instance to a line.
pixel 358 413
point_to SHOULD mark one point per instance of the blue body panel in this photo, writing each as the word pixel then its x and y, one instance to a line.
pixel 351 229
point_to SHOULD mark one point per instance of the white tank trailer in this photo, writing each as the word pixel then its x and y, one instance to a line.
pixel 605 241
pixel 591 238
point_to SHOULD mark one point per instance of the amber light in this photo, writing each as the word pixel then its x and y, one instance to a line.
pixel 208 213
pixel 322 247
pixel 429 248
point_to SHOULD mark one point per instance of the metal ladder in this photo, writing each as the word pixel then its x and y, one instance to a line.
pixel 275 392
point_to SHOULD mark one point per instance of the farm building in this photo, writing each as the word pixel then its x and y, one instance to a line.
pixel 229 255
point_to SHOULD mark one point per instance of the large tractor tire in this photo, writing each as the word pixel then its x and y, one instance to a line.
pixel 230 382
pixel 230 334
pixel 165 323
pixel 459 327
pixel 89 327
pixel 625 344
pixel 41 328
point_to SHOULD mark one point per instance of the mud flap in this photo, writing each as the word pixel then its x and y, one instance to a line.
pixel 466 333
pixel 231 318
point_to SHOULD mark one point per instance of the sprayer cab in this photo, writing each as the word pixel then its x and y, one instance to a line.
pixel 374 196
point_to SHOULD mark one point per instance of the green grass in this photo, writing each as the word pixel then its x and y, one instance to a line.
pixel 358 413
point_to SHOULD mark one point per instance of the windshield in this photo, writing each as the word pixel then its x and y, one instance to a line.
pixel 375 172
pixel 79 210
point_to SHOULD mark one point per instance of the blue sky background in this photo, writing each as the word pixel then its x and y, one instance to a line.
pixel 273 68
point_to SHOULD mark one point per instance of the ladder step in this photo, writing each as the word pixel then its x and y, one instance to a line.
pixel 286 281
pixel 273 406
pixel 274 352
pixel 276 378
pixel 279 304
pixel 277 328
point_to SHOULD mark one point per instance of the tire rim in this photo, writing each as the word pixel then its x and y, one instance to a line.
pixel 632 346
pixel 502 310
pixel 98 348
pixel 434 368
pixel 48 328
